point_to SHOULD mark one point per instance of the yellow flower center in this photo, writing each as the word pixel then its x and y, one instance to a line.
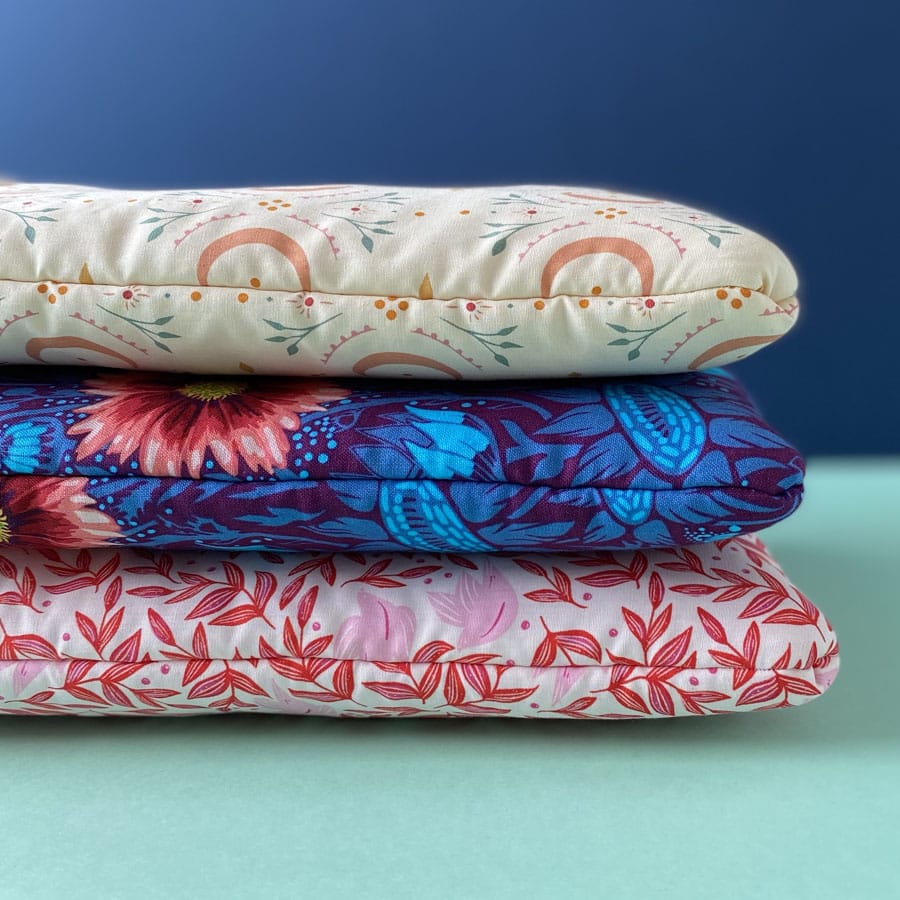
pixel 212 390
pixel 5 531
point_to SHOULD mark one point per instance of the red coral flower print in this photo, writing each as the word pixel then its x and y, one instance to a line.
pixel 171 424
pixel 52 512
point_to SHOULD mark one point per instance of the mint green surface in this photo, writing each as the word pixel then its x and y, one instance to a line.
pixel 798 803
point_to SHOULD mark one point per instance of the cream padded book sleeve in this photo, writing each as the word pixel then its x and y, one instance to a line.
pixel 471 283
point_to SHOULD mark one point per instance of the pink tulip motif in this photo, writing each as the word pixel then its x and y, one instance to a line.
pixel 382 631
pixel 24 672
pixel 566 678
pixel 484 609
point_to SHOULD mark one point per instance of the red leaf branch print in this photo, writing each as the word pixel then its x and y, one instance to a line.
pixel 574 642
pixel 374 577
pixel 617 573
pixel 230 680
pixel 26 646
pixel 23 595
pixel 672 652
pixel 743 661
pixel 419 689
pixel 686 561
pixel 160 628
pixel 84 575
pixel 560 590
pixel 205 632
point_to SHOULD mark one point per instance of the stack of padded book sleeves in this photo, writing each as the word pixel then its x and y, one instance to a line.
pixel 386 451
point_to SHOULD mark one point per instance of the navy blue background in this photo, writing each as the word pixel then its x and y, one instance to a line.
pixel 782 116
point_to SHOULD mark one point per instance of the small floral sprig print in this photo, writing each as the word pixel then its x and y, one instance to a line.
pixel 26 220
pixel 505 230
pixel 168 217
pixel 643 335
pixel 512 199
pixel 712 232
pixel 483 338
pixel 367 228
pixel 148 329
pixel 295 335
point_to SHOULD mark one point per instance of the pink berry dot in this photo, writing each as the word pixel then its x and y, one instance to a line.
pixel 613 632
pixel 745 571
pixel 448 574
pixel 713 669
pixel 427 581
pixel 197 201
pixel 534 706
pixel 145 681
pixel 649 303
pixel 354 209
pixel 525 625
pixel 470 306
pixel 127 294
pixel 510 662
pixel 316 626
pixel 717 558
pixel 164 668
pixel 694 679
pixel 66 635
pixel 308 301
pixel 586 596
pixel 531 212
pixel 46 603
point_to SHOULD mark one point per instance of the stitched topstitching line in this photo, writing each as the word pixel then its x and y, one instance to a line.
pixel 447 662
pixel 408 297
pixel 302 483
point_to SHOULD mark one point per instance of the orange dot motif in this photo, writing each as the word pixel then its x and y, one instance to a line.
pixel 391 312
pixel 610 212
pixel 51 297
pixel 196 295
pixel 736 302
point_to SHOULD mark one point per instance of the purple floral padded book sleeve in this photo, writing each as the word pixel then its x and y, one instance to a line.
pixel 95 458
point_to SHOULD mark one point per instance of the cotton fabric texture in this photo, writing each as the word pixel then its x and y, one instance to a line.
pixel 354 450
pixel 359 280
pixel 99 458
pixel 634 635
